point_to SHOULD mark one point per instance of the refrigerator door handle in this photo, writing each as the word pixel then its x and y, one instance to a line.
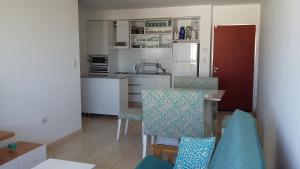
pixel 198 60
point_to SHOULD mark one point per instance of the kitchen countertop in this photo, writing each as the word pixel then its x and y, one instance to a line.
pixel 122 75
pixel 142 74
pixel 111 76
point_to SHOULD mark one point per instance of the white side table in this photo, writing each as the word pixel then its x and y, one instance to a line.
pixel 62 164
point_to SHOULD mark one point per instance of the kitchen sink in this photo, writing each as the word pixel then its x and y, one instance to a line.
pixel 143 73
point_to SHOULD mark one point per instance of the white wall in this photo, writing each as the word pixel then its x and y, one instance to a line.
pixel 248 14
pixel 203 11
pixel 278 83
pixel 236 14
pixel 39 42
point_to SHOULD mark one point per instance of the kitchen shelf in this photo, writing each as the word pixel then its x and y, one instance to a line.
pixel 119 47
pixel 148 47
pixel 158 34
pixel 137 26
pixel 6 135
pixel 186 41
pixel 158 29
pixel 146 41
pixel 193 23
pixel 154 23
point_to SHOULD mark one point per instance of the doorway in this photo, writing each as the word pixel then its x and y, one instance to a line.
pixel 233 64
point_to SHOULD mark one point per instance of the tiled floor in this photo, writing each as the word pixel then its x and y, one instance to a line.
pixel 96 144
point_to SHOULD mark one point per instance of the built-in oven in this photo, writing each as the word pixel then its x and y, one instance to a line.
pixel 99 65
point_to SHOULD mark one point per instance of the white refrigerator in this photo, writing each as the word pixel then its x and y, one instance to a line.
pixel 186 59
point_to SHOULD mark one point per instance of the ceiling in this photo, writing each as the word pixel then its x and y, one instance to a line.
pixel 132 4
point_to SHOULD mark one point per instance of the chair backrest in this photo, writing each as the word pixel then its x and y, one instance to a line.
pixel 172 113
pixel 206 83
pixel 239 146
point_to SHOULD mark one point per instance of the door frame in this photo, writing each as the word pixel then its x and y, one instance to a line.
pixel 256 53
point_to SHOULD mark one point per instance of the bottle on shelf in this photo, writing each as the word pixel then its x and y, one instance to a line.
pixel 182 33
pixel 175 35
pixel 188 33
pixel 193 35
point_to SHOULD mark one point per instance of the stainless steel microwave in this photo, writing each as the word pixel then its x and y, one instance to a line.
pixel 98 65
pixel 98 60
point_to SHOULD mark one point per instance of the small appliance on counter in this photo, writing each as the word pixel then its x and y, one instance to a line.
pixel 98 65
pixel 136 68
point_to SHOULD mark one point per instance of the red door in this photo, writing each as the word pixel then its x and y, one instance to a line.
pixel 233 64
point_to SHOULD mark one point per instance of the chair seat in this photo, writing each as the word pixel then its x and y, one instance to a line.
pixel 132 114
pixel 151 162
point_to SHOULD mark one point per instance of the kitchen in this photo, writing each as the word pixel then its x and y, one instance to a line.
pixel 126 56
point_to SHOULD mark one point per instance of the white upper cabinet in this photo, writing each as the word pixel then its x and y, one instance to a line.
pixel 122 33
pixel 97 36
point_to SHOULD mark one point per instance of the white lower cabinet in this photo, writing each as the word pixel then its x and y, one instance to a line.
pixel 27 160
pixel 10 165
pixel 163 83
pixel 33 158
pixel 138 83
pixel 104 95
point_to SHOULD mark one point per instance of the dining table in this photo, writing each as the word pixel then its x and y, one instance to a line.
pixel 210 96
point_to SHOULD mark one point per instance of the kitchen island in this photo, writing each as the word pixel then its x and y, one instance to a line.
pixel 104 94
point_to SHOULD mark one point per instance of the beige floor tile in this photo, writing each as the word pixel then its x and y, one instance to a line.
pixel 96 144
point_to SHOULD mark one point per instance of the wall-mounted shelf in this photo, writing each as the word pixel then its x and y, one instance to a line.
pixel 186 41
pixel 145 41
pixel 191 26
pixel 6 135
pixel 160 32
pixel 151 33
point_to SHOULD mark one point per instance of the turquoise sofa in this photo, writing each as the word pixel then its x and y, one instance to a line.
pixel 239 147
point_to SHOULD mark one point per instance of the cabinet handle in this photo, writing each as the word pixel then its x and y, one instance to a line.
pixel 134 85
pixel 134 93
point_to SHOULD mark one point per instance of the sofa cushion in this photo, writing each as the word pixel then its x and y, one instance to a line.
pixel 239 147
pixel 151 162
pixel 194 153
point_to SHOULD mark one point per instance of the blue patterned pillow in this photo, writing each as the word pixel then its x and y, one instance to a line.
pixel 194 153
